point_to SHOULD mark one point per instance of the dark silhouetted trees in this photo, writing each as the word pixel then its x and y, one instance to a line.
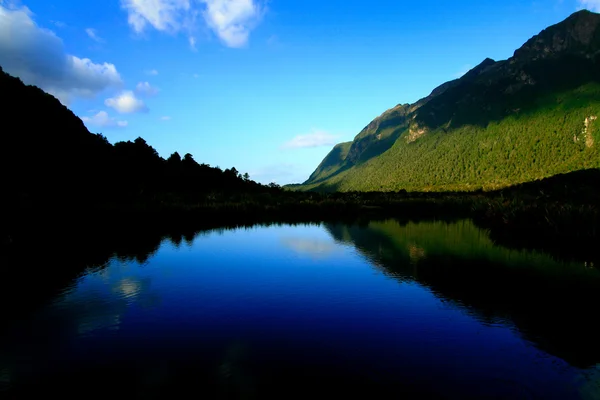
pixel 48 157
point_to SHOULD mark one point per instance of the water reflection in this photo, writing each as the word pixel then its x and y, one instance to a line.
pixel 388 306
pixel 104 298
pixel 550 302
pixel 316 248
pixel 91 306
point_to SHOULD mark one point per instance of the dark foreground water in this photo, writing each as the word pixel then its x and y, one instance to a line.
pixel 382 310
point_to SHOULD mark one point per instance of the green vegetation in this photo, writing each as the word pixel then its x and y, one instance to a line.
pixel 503 123
pixel 332 162
pixel 519 148
pixel 545 299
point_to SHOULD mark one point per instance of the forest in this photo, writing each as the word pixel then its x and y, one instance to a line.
pixel 560 135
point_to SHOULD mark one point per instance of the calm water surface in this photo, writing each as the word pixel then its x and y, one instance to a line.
pixel 385 309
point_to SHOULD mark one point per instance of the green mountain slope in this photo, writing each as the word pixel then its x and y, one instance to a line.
pixel 525 118
pixel 332 162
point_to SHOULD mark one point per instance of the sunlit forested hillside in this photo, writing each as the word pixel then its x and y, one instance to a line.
pixel 526 118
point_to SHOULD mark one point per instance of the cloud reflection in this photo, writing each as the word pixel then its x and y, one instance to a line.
pixel 128 288
pixel 102 304
pixel 316 248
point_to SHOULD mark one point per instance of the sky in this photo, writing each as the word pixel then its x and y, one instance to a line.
pixel 265 86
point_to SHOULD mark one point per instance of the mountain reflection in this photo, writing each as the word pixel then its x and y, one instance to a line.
pixel 551 303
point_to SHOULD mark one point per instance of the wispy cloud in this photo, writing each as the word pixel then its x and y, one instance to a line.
pixel 151 72
pixel 126 103
pixel 102 120
pixel 146 89
pixel 273 39
pixel 163 15
pixel 165 118
pixel 93 34
pixel 281 173
pixel 274 42
pixel 316 138
pixel 592 5
pixel 230 20
pixel 192 41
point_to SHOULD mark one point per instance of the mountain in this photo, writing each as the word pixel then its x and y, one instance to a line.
pixel 50 159
pixel 331 163
pixel 45 148
pixel 503 123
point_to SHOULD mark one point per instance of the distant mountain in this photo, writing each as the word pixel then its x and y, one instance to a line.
pixel 507 122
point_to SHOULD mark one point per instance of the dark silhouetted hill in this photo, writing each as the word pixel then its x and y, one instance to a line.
pixel 50 158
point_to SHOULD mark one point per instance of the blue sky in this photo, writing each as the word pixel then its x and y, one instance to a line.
pixel 265 86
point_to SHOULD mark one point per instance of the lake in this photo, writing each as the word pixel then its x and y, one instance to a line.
pixel 384 308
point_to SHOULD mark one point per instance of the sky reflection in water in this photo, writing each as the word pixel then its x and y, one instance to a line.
pixel 383 305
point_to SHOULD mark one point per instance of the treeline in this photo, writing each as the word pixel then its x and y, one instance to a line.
pixel 136 170
pixel 49 158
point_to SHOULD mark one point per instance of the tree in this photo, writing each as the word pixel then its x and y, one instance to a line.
pixel 246 177
pixel 174 158
pixel 188 161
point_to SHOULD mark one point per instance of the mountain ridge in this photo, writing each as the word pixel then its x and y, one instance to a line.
pixel 552 72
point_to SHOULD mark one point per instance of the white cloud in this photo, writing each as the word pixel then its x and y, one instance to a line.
pixel 163 15
pixel 273 41
pixel 281 173
pixel 104 121
pixel 165 118
pixel 93 34
pixel 230 20
pixel 151 72
pixel 316 138
pixel 196 76
pixel 126 103
pixel 144 88
pixel 592 5
pixel 37 56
